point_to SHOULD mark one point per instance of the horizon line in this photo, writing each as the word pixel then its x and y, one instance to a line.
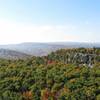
pixel 86 42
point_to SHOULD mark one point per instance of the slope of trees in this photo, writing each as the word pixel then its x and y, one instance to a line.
pixel 52 77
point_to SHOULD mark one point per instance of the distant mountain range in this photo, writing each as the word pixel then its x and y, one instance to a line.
pixel 39 49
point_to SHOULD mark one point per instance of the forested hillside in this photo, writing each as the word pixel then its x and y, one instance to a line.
pixel 76 56
pixel 67 74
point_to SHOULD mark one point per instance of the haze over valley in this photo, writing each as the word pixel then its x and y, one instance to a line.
pixel 40 49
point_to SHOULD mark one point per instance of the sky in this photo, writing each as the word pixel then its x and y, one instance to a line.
pixel 49 21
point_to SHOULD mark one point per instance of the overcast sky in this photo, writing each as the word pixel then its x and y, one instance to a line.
pixel 49 21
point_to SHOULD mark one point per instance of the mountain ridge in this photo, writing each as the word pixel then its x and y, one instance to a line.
pixel 42 49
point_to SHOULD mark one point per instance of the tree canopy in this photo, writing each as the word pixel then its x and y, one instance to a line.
pixel 62 75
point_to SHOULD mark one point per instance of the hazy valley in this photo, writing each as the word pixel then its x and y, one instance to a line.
pixel 39 49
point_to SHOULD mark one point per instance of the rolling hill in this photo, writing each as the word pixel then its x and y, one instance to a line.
pixel 11 54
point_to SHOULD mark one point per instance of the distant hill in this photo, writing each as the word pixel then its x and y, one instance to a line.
pixel 10 54
pixel 41 49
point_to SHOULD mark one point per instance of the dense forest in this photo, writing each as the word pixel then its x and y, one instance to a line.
pixel 67 74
